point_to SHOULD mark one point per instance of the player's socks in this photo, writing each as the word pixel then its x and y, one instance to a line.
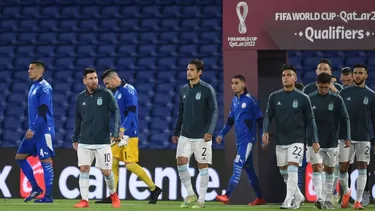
pixel 28 172
pixel 317 182
pixel 84 185
pixel 361 183
pixel 328 187
pixel 48 177
pixel 237 170
pixel 336 173
pixel 203 184
pixel 284 174
pixel 344 182
pixel 110 181
pixel 253 180
pixel 115 170
pixel 138 170
pixel 292 182
pixel 186 179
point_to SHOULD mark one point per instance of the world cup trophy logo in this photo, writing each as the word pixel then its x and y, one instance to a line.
pixel 242 16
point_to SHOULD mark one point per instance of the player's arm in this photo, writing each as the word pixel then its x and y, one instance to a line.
pixel 309 120
pixel 213 108
pixel 228 125
pixel 44 98
pixel 131 99
pixel 258 115
pixel 113 107
pixel 180 116
pixel 77 121
pixel 345 117
pixel 268 115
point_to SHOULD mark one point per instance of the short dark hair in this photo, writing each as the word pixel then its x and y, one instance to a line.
pixel 288 67
pixel 326 61
pixel 333 76
pixel 88 70
pixel 360 66
pixel 323 78
pixel 38 63
pixel 346 71
pixel 198 63
pixel 299 86
pixel 240 77
pixel 107 73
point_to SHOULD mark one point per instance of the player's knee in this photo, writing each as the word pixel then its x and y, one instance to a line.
pixel 202 165
pixel 361 165
pixel 21 157
pixel 84 168
pixel 182 161
pixel 48 160
pixel 317 167
pixel 106 173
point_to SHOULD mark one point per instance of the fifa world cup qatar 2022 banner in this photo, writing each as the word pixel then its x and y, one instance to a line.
pixel 293 25
pixel 160 165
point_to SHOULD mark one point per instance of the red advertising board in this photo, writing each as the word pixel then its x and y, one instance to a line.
pixel 294 25
pixel 25 186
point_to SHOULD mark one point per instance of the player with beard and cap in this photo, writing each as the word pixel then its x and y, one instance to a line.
pixel 294 119
pixel 360 102
pixel 323 66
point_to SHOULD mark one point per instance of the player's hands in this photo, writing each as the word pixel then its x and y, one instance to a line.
pixel 123 141
pixel 29 134
pixel 316 147
pixel 75 145
pixel 264 146
pixel 266 138
pixel 347 143
pixel 174 139
pixel 333 88
pixel 219 139
pixel 207 137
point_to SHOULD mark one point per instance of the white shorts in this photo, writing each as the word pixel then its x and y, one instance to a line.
pixel 102 155
pixel 327 156
pixel 358 150
pixel 289 153
pixel 202 150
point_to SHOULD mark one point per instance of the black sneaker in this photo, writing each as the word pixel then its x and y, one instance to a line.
pixel 107 200
pixel 154 195
pixel 319 204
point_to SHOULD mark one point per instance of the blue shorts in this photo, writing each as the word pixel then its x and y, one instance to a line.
pixel 244 154
pixel 40 145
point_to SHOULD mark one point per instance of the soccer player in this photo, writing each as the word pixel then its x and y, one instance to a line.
pixel 329 110
pixel 333 79
pixel 127 149
pixel 360 102
pixel 294 117
pixel 39 136
pixel 196 121
pixel 245 114
pixel 91 136
pixel 346 76
pixel 323 66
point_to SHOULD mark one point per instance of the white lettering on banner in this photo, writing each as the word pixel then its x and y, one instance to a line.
pixel 325 16
pixel 160 176
pixel 3 177
pixel 333 33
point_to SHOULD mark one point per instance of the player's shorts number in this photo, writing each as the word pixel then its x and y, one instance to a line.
pixel 367 150
pixel 107 157
pixel 204 149
pixel 297 151
pixel 41 152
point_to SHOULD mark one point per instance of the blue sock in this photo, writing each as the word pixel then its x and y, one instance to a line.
pixel 48 178
pixel 301 172
pixel 253 180
pixel 237 170
pixel 28 172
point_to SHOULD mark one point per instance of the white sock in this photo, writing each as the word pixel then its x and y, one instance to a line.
pixel 323 184
pixel 336 173
pixel 284 174
pixel 328 187
pixel 292 183
pixel 84 185
pixel 317 182
pixel 344 182
pixel 185 179
pixel 203 184
pixel 361 183
pixel 110 181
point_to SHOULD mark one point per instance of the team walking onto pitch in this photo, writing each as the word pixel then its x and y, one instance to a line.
pixel 333 123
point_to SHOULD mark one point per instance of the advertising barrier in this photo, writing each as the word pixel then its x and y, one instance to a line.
pixel 159 164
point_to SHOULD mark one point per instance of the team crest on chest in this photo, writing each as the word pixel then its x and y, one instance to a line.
pixel 295 104
pixel 198 96
pixel 99 101
pixel 365 100
pixel 119 96
pixel 34 92
pixel 243 105
pixel 330 106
